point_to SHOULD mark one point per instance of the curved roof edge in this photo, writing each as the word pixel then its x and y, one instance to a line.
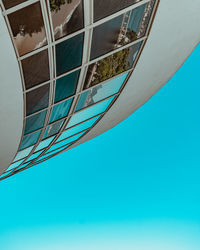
pixel 174 35
pixel 11 99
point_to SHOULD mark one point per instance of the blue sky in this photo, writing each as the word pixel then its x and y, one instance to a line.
pixel 134 187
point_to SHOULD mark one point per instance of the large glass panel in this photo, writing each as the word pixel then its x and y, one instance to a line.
pixel 104 8
pixel 37 99
pixel 69 54
pixel 28 28
pixel 29 140
pixel 11 3
pixel 69 140
pixel 44 144
pixel 89 112
pixel 53 129
pixel 100 92
pixel 66 86
pixel 111 66
pixel 36 69
pixel 60 110
pixel 22 154
pixel 14 165
pixel 117 32
pixel 35 122
pixel 67 16
pixel 74 130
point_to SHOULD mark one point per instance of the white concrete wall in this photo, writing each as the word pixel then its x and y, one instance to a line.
pixel 174 35
pixel 11 99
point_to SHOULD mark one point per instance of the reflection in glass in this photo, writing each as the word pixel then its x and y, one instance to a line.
pixel 53 129
pixel 67 16
pixel 14 165
pixel 60 110
pixel 111 66
pixel 35 122
pixel 66 86
pixel 118 31
pixel 69 54
pixel 69 140
pixel 50 152
pixel 89 112
pixel 77 129
pixel 44 144
pixel 37 99
pixel 29 140
pixel 100 92
pixel 36 69
pixel 11 3
pixel 21 154
pixel 27 26
pixel 104 8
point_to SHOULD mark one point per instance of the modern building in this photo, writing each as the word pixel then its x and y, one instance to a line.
pixel 72 69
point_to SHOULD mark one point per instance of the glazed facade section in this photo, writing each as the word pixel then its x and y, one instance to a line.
pixel 75 58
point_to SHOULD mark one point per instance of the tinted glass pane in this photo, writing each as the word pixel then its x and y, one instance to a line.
pixel 118 32
pixel 53 129
pixel 23 153
pixel 11 3
pixel 14 165
pixel 67 16
pixel 111 65
pixel 36 69
pixel 89 112
pixel 35 122
pixel 34 156
pixel 29 140
pixel 28 28
pixel 69 132
pixel 37 99
pixel 100 92
pixel 104 8
pixel 44 143
pixel 66 86
pixel 69 54
pixel 69 140
pixel 60 110
pixel 50 152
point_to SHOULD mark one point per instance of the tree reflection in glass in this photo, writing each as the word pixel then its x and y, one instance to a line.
pixel 27 26
pixel 67 16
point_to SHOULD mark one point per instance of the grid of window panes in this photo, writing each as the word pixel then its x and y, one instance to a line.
pixel 75 57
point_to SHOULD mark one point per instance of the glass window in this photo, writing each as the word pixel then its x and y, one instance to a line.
pixel 11 3
pixel 27 26
pixel 36 69
pixel 89 112
pixel 60 110
pixel 66 86
pixel 44 144
pixel 118 32
pixel 104 8
pixel 53 129
pixel 100 92
pixel 67 17
pixel 22 154
pixel 69 140
pixel 14 165
pixel 29 140
pixel 77 129
pixel 35 122
pixel 69 54
pixel 34 156
pixel 37 99
pixel 50 152
pixel 111 66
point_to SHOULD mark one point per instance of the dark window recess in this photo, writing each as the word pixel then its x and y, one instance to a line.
pixel 11 3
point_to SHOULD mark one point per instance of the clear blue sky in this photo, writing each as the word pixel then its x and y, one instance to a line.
pixel 136 186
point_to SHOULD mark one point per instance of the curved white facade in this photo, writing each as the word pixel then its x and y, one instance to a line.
pixel 174 34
